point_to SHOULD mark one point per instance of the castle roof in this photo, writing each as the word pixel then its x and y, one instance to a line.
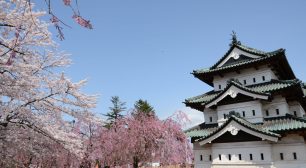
pixel 271 127
pixel 263 89
pixel 231 62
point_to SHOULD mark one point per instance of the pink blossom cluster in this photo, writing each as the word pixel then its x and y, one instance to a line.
pixel 81 21
pixel 67 2
pixel 140 140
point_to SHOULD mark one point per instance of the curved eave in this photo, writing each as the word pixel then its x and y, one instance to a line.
pixel 291 89
pixel 278 61
pixel 227 90
pixel 245 49
pixel 196 106
pixel 227 126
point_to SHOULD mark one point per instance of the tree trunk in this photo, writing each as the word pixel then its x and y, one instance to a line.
pixel 135 162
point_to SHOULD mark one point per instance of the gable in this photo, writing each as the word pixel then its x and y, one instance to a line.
pixel 238 99
pixel 233 61
pixel 235 56
pixel 234 127
pixel 233 91
pixel 240 137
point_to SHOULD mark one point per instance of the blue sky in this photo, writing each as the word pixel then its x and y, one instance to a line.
pixel 147 49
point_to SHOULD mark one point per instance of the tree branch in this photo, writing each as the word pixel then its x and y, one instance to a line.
pixel 10 49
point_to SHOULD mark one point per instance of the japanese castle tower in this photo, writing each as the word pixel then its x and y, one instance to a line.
pixel 254 116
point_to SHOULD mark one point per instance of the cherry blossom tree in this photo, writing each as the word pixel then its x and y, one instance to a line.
pixel 45 120
pixel 140 140
pixel 35 96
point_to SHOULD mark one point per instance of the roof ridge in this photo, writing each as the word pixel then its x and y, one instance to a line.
pixel 259 52
pixel 246 49
pixel 205 70
pixel 242 122
pixel 211 92
pixel 246 88
pixel 252 126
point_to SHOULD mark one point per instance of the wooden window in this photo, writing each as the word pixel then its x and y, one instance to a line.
pixel 262 156
pixel 263 78
pixel 219 86
pixel 243 113
pixel 210 119
pixel 219 157
pixel 294 113
pixel 294 156
pixel 201 157
pixel 277 111
pixel 210 158
pixel 229 157
pixel 254 80
pixel 267 112
pixel 251 157
pixel 253 111
pixel 244 82
pixel 281 156
pixel 240 157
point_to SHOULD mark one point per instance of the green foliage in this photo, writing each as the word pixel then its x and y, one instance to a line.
pixel 142 106
pixel 115 111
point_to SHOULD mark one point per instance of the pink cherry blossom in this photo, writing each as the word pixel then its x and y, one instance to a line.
pixel 67 2
pixel 81 21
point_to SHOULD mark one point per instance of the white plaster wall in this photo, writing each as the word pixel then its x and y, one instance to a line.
pixel 210 113
pixel 287 145
pixel 260 108
pixel 279 103
pixel 296 106
pixel 205 151
pixel 243 148
pixel 245 74
pixel 247 107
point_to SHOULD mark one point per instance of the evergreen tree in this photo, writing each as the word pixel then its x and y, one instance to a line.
pixel 115 111
pixel 142 106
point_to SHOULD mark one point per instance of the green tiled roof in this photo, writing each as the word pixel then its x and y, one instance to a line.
pixel 264 55
pixel 210 132
pixel 203 71
pixel 201 132
pixel 254 127
pixel 270 126
pixel 202 98
pixel 267 87
pixel 284 124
